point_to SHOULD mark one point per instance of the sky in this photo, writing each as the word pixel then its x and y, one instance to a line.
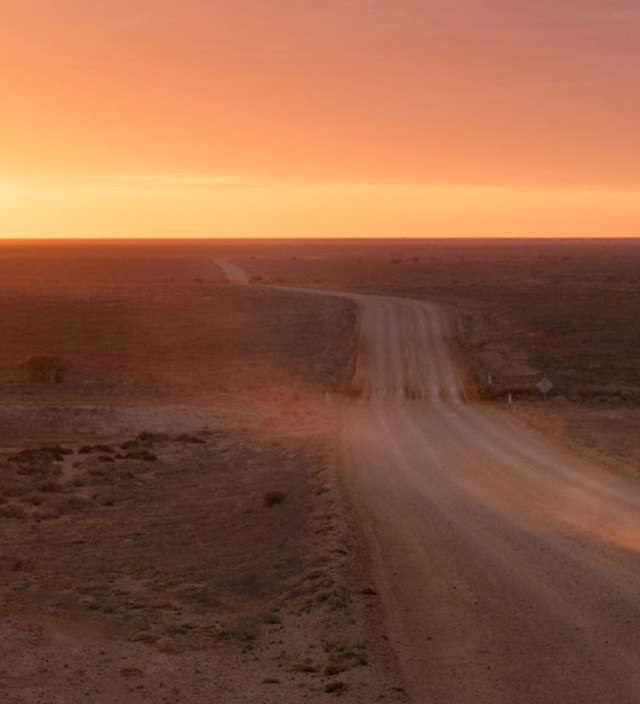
pixel 345 118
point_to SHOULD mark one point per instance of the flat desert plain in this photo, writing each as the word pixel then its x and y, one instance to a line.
pixel 286 471
pixel 564 309
pixel 172 524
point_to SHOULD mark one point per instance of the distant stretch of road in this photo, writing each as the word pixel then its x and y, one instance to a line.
pixel 509 567
pixel 234 273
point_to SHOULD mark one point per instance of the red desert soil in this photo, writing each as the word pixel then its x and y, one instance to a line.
pixel 566 309
pixel 508 566
pixel 173 524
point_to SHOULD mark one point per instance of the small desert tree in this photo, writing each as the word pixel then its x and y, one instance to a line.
pixel 44 368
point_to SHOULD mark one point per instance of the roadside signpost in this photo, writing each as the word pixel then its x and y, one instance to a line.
pixel 545 385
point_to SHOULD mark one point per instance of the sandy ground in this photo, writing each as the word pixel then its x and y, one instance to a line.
pixel 172 524
pixel 504 567
pixel 217 565
pixel 565 309
pixel 508 567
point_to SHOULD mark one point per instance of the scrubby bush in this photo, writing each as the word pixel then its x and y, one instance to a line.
pixel 12 511
pixel 271 498
pixel 336 688
pixel 45 369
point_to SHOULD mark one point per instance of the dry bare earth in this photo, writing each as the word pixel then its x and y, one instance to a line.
pixel 564 309
pixel 151 337
pixel 554 637
pixel 211 558
pixel 509 567
pixel 217 572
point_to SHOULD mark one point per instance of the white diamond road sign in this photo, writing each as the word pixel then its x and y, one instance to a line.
pixel 545 385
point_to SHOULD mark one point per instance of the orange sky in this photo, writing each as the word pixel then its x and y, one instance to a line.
pixel 338 117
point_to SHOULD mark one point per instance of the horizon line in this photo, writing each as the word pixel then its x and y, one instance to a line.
pixel 4 239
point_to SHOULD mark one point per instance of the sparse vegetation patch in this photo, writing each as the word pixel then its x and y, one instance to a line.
pixel 272 498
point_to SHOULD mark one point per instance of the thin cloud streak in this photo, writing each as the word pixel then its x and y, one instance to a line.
pixel 163 181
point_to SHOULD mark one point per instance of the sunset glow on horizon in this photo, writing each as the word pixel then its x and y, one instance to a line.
pixel 346 118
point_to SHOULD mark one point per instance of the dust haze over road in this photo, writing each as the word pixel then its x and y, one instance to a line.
pixel 509 567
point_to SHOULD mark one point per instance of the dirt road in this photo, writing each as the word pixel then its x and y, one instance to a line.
pixel 509 568
pixel 234 273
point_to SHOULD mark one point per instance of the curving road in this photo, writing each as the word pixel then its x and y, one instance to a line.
pixel 509 568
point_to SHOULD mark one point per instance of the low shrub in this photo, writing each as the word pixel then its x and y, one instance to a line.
pixel 45 369
pixel 271 498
